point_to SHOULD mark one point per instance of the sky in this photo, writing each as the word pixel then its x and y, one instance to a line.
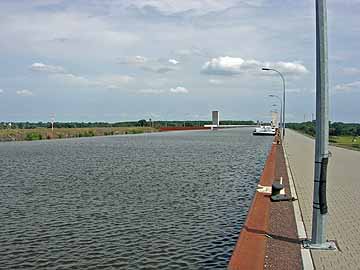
pixel 92 60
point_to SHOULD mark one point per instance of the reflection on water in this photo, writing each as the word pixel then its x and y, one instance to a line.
pixel 156 201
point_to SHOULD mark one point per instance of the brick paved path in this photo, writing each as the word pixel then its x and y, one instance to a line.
pixel 343 191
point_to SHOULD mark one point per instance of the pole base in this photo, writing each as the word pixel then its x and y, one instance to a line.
pixel 328 245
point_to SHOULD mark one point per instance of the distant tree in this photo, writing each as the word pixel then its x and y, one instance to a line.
pixel 142 123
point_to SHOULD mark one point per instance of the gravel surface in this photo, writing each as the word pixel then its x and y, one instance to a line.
pixel 283 247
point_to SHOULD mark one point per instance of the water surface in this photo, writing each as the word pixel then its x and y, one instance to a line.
pixel 173 200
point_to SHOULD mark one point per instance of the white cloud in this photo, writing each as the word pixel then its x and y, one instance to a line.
pixel 348 86
pixel 224 65
pixel 133 60
pixel 58 73
pixel 24 92
pixel 192 52
pixel 46 68
pixel 152 91
pixel 235 65
pixel 215 81
pixel 160 69
pixel 154 65
pixel 179 90
pixel 173 61
pixel 198 7
pixel 71 34
pixel 1 91
pixel 155 91
pixel 289 68
pixel 71 79
pixel 105 81
pixel 114 81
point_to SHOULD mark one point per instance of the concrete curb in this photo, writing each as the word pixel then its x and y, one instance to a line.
pixel 305 253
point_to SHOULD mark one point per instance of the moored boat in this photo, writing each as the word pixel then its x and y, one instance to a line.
pixel 264 131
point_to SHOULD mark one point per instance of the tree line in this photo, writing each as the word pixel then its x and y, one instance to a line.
pixel 335 129
pixel 139 123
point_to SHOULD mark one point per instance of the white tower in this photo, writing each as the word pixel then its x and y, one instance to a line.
pixel 274 121
pixel 215 118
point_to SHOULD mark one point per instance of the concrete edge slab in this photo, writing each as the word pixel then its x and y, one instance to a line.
pixel 305 253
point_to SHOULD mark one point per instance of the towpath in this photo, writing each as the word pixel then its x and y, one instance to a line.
pixel 343 196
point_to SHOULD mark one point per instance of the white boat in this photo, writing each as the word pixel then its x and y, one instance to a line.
pixel 264 131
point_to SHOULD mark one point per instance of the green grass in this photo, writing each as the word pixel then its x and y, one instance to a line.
pixel 346 141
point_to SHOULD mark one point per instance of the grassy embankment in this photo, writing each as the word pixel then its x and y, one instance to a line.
pixel 346 135
pixel 350 142
pixel 60 133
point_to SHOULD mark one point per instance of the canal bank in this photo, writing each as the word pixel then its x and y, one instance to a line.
pixel 269 238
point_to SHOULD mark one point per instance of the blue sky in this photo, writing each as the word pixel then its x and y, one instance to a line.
pixel 87 60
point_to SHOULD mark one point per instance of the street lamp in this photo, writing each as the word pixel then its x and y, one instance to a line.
pixel 281 110
pixel 283 80
pixel 320 210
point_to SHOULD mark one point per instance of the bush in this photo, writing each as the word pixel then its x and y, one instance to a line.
pixel 33 136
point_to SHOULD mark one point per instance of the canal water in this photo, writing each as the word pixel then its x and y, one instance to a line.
pixel 174 200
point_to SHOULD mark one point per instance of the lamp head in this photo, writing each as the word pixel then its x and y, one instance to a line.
pixel 266 69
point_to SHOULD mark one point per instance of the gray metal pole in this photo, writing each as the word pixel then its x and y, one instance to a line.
pixel 318 238
pixel 284 101
pixel 283 111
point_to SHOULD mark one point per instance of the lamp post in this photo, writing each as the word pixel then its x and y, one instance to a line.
pixel 283 110
pixel 320 210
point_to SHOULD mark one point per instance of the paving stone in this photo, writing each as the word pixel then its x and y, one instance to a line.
pixel 342 196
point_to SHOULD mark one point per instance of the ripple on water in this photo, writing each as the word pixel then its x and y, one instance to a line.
pixel 156 201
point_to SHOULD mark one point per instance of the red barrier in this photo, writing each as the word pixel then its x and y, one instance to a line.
pixel 249 252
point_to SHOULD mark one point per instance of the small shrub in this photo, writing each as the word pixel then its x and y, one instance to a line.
pixel 33 136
